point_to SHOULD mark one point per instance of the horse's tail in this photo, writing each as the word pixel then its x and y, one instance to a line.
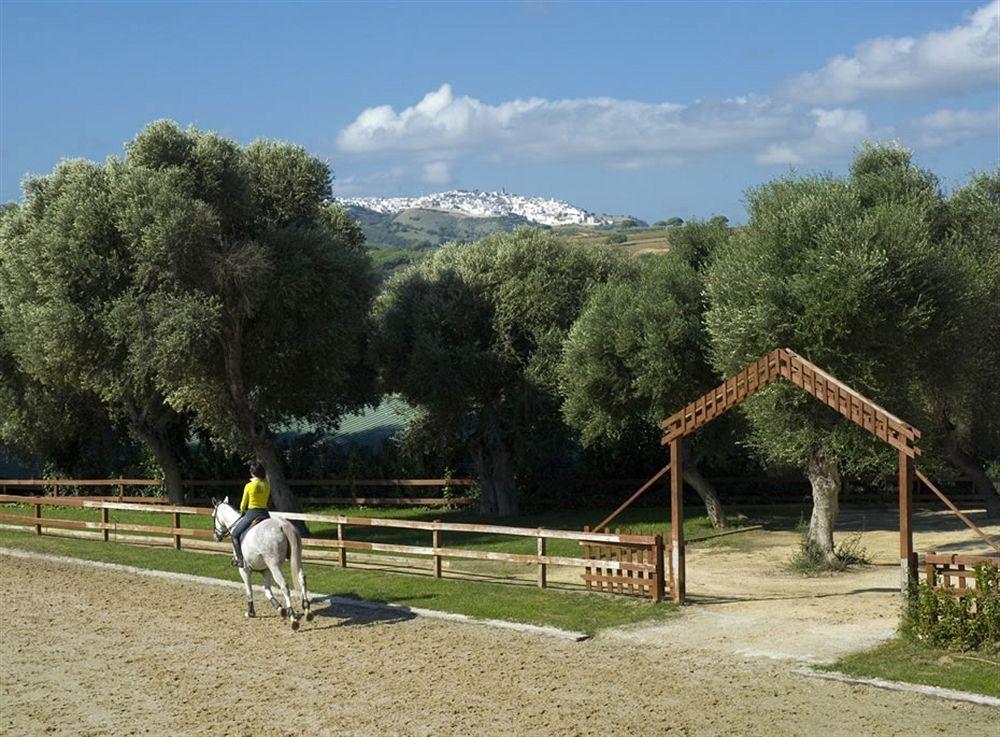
pixel 295 561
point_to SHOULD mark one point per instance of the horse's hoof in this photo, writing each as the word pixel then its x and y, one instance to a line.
pixel 250 615
pixel 283 612
pixel 295 624
pixel 309 616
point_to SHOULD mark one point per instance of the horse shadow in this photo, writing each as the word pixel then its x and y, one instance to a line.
pixel 347 613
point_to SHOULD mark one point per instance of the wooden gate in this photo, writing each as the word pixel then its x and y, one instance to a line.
pixel 956 573
pixel 634 566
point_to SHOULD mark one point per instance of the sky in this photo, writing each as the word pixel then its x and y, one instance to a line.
pixel 647 109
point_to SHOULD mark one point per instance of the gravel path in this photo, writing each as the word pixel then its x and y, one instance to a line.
pixel 93 652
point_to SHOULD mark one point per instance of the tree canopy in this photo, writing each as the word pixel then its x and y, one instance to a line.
pixel 473 335
pixel 845 272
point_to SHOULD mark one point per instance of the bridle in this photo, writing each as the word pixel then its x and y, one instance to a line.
pixel 219 533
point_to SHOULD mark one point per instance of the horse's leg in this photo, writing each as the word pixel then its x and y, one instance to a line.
pixel 249 589
pixel 270 594
pixel 280 578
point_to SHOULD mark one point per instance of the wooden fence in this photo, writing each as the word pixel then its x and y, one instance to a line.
pixel 645 564
pixel 956 573
pixel 120 485
pixel 632 576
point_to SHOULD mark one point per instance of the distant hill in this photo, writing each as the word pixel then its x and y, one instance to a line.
pixel 424 223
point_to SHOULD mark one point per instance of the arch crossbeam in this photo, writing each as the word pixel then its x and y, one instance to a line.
pixel 782 363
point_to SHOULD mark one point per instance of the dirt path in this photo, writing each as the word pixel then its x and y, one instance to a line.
pixel 93 652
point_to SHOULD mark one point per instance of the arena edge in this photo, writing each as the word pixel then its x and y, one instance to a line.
pixel 587 613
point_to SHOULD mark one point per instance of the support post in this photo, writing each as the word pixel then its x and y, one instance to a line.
pixel 104 523
pixel 677 521
pixel 657 590
pixel 121 489
pixel 343 550
pixel 436 543
pixel 38 516
pixel 177 526
pixel 542 573
pixel 907 561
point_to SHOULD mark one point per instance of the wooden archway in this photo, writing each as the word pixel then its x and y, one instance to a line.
pixel 783 363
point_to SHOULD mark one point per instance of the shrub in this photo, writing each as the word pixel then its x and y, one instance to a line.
pixel 938 618
pixel 616 238
pixel 810 560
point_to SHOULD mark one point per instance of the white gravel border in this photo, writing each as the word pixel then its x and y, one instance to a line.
pixel 399 609
pixel 935 691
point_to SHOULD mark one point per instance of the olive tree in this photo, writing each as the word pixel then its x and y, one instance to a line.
pixel 639 350
pixel 255 290
pixel 957 386
pixel 65 277
pixel 845 273
pixel 473 335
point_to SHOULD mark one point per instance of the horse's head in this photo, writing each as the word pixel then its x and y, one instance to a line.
pixel 219 528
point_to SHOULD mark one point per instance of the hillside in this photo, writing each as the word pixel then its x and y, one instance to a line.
pixel 424 223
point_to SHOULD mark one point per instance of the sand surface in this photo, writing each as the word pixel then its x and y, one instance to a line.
pixel 86 651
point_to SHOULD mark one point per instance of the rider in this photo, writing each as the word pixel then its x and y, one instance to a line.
pixel 253 507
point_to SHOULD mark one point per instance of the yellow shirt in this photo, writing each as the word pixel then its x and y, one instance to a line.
pixel 255 495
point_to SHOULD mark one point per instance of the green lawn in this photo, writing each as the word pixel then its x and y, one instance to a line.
pixel 910 662
pixel 579 612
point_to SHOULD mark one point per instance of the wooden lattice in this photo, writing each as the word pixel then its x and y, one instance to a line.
pixel 782 363
pixel 630 569
pixel 957 573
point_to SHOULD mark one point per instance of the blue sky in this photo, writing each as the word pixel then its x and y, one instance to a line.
pixel 651 109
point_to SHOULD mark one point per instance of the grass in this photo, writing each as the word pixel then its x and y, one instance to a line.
pixel 910 662
pixel 579 612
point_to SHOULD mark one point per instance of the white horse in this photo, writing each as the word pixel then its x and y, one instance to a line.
pixel 265 547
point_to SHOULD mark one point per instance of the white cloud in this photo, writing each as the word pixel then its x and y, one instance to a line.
pixel 959 59
pixel 443 125
pixel 806 121
pixel 437 172
pixel 944 127
pixel 834 132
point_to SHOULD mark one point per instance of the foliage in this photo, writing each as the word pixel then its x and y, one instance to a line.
pixel 67 296
pixel 616 238
pixel 935 616
pixel 852 282
pixel 676 222
pixel 473 334
pixel 810 560
pixel 257 291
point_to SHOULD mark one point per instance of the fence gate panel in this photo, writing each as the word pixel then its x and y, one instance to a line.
pixel 631 567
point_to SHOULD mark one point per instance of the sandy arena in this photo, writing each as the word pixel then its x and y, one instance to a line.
pixel 86 651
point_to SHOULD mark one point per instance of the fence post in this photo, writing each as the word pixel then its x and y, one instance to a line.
pixel 38 516
pixel 121 489
pixel 436 544
pixel 177 535
pixel 542 582
pixel 343 550
pixel 104 522
pixel 931 572
pixel 658 561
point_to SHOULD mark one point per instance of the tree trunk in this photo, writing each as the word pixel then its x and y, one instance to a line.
pixel 254 431
pixel 163 451
pixel 162 431
pixel 497 485
pixel 981 481
pixel 825 480
pixel 704 488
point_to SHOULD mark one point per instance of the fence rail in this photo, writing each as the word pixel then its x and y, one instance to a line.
pixel 648 566
pixel 939 570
